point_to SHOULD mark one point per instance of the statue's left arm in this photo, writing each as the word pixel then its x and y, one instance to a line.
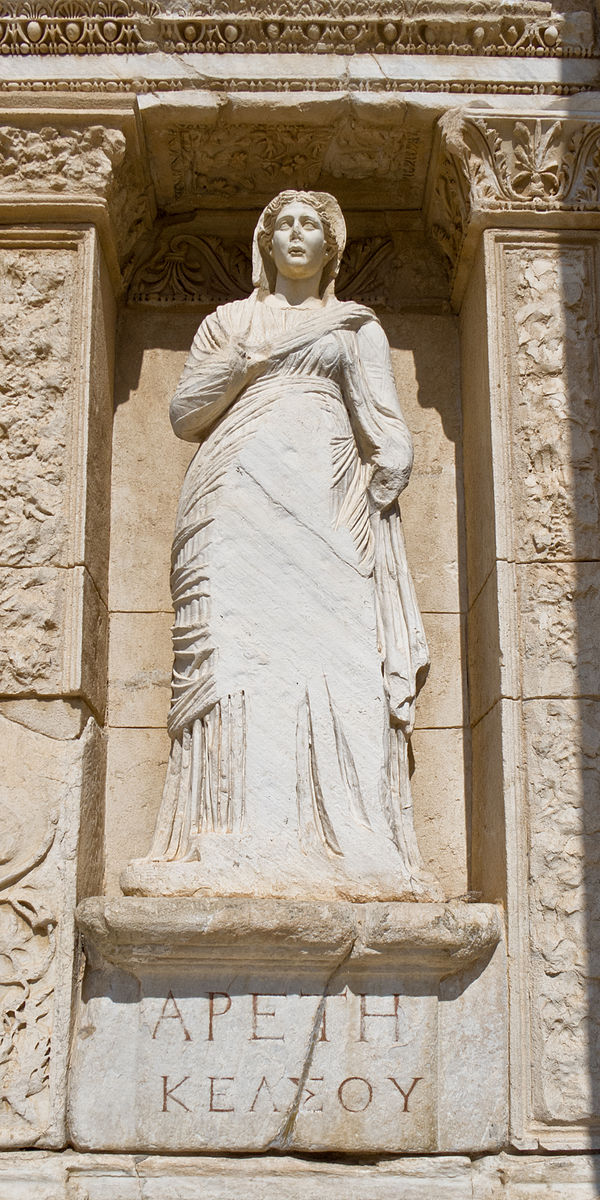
pixel 379 426
pixel 385 442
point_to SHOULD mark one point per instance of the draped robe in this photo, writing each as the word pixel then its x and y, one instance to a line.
pixel 298 644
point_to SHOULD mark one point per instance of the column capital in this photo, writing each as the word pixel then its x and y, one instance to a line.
pixel 509 169
pixel 67 163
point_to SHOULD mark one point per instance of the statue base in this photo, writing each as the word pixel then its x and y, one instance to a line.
pixel 244 1026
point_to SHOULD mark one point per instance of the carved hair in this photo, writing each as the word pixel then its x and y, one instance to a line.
pixel 264 273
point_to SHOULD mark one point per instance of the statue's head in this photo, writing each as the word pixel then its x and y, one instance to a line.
pixel 320 242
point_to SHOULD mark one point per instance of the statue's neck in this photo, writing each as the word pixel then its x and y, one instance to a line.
pixel 297 291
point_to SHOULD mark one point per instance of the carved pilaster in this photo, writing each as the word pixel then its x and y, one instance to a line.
pixel 532 490
pixel 71 202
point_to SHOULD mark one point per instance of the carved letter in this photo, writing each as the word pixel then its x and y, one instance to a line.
pixel 368 1097
pixel 216 1012
pixel 411 1089
pixel 263 1084
pixel 365 1014
pixel 307 1095
pixel 171 1016
pixel 219 1079
pixel 168 1091
pixel 264 1037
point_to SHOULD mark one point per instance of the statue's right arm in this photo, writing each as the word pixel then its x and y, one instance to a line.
pixel 215 373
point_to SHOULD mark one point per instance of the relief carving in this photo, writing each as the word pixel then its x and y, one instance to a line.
pixel 227 159
pixel 563 757
pixel 502 165
pixel 315 26
pixel 27 950
pixel 37 291
pixel 555 459
pixel 178 265
pixel 554 427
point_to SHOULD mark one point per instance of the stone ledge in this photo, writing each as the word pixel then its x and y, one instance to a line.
pixel 438 939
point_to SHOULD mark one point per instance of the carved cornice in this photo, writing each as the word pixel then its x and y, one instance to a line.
pixel 179 265
pixel 494 167
pixel 62 27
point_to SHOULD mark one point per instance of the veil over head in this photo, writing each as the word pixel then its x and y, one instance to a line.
pixel 264 272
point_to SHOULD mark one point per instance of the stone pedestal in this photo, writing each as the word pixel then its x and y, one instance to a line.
pixel 251 1026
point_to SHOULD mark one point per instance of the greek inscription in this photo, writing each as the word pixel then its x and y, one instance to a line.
pixel 217 1096
pixel 171 1016
pixel 262 1014
pixel 405 1095
pixel 268 1095
pixel 168 1092
pixel 308 1094
pixel 357 1091
pixel 214 1011
pixel 365 1016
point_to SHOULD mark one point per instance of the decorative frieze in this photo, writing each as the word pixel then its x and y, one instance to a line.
pixel 227 159
pixel 313 27
pixel 184 266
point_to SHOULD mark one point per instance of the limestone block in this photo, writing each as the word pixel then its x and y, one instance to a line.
pixel 442 701
pixel 136 767
pixel 560 607
pixel 53 634
pixel 492 638
pixel 140 663
pixel 148 462
pixel 494 774
pixel 228 1026
pixel 533 1177
pixel 438 787
pixel 431 527
pixel 563 749
pixel 49 788
pixel 72 1176
pixel 477 431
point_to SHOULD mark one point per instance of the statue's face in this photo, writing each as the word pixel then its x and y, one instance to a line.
pixel 299 247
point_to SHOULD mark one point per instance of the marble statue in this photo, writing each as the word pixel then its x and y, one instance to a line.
pixel 299 646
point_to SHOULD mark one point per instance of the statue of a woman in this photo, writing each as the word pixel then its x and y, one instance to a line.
pixel 299 647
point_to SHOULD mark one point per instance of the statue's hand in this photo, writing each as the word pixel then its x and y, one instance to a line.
pixel 390 476
pixel 252 360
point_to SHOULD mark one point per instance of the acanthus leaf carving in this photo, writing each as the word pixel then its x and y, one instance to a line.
pixel 183 266
pixel 543 164
pixel 186 268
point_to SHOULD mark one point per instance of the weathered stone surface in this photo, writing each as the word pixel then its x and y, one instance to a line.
pixel 43 850
pixel 555 437
pixel 54 634
pixel 285 1024
pixel 71 1176
pixel 438 787
pixel 563 750
pixel 560 607
pixel 140 662
pixel 137 761
pixel 38 292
